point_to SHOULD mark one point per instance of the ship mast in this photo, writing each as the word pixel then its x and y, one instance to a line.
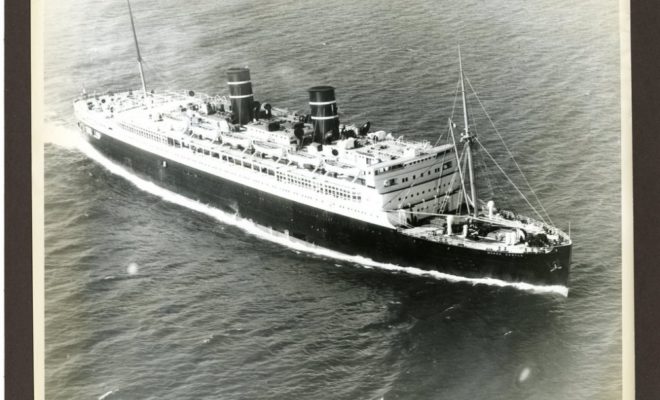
pixel 137 48
pixel 468 138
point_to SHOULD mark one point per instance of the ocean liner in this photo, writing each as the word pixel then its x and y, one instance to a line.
pixel 335 185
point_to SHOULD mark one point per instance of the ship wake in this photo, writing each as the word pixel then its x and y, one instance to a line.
pixel 280 238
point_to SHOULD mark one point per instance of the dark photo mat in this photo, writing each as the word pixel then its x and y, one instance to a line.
pixel 18 204
pixel 645 33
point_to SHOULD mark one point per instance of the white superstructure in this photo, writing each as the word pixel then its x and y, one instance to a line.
pixel 372 177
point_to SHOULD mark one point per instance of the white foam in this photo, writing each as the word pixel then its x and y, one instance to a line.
pixel 62 136
pixel 106 394
pixel 295 244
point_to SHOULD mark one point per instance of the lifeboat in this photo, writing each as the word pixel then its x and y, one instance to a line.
pixel 304 159
pixel 235 139
pixel 268 148
pixel 337 167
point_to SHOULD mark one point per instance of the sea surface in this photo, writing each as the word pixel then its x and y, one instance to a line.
pixel 153 296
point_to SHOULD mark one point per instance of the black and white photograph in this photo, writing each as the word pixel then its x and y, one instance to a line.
pixel 332 199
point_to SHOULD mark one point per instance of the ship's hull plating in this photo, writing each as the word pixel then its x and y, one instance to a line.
pixel 337 232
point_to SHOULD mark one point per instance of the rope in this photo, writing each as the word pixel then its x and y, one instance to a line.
pixel 413 184
pixel 510 154
pixel 458 165
pixel 451 185
pixel 485 174
pixel 510 181
pixel 445 198
pixel 468 200
pixel 453 107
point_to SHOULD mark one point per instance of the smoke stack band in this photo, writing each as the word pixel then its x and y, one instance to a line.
pixel 324 113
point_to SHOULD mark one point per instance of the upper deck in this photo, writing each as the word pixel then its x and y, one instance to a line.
pixel 181 118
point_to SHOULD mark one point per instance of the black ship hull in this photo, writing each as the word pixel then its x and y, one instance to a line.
pixel 333 231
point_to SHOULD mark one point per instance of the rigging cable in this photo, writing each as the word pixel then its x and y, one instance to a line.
pixel 448 191
pixel 453 107
pixel 485 174
pixel 510 181
pixel 458 165
pixel 510 154
pixel 427 169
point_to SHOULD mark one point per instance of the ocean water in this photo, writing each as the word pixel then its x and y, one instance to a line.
pixel 154 296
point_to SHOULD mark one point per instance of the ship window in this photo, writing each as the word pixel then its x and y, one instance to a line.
pixel 413 176
pixel 446 165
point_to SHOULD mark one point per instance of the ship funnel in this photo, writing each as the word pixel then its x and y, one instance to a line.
pixel 240 93
pixel 324 113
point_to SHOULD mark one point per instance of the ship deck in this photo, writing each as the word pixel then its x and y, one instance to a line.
pixel 436 234
pixel 435 230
